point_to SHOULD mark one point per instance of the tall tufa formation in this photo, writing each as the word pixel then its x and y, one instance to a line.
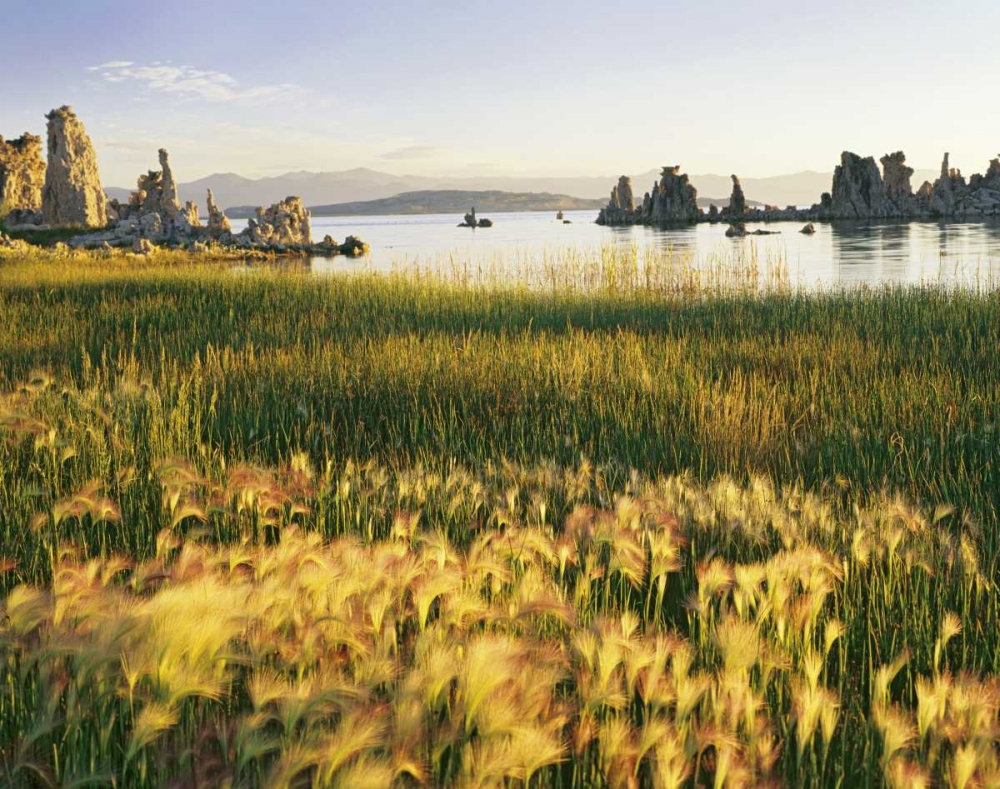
pixel 675 200
pixel 169 204
pixel 737 200
pixel 622 196
pixel 948 191
pixel 154 211
pixel 22 173
pixel 621 206
pixel 72 194
pixel 156 192
pixel 858 190
pixel 897 174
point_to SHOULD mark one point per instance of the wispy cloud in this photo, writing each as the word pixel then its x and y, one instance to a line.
pixel 190 82
pixel 414 152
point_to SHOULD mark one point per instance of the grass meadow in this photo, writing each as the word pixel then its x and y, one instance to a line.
pixel 630 524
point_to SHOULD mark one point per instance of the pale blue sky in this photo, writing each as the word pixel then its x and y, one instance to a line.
pixel 472 88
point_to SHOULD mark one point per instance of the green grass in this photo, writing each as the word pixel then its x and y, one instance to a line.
pixel 769 423
pixel 47 237
pixel 870 390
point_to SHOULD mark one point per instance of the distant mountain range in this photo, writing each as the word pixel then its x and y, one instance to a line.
pixel 363 185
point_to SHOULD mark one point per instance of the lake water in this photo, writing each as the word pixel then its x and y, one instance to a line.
pixel 839 254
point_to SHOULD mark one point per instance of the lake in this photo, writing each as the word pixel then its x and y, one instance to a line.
pixel 840 254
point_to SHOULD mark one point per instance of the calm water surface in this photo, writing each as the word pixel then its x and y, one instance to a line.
pixel 838 254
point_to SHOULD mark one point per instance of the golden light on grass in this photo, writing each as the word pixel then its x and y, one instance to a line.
pixel 643 529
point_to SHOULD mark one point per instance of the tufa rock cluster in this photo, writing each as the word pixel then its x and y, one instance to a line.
pixel 672 201
pixel 283 224
pixel 860 191
pixel 153 211
pixel 153 214
pixel 69 193
pixel 890 194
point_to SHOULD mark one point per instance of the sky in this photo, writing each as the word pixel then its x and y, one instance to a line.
pixel 512 87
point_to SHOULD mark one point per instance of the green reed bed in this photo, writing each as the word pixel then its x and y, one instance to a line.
pixel 700 530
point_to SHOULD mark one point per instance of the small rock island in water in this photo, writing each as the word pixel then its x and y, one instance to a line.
pixel 471 221
pixel 66 193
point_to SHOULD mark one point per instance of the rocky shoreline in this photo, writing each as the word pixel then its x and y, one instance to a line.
pixel 859 192
pixel 65 193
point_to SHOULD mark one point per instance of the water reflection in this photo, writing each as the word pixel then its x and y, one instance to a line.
pixel 838 254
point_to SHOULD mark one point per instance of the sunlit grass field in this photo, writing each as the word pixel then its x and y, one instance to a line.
pixel 628 524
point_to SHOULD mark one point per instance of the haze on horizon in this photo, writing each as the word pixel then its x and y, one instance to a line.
pixel 519 88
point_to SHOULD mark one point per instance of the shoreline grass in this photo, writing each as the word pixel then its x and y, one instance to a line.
pixel 417 530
